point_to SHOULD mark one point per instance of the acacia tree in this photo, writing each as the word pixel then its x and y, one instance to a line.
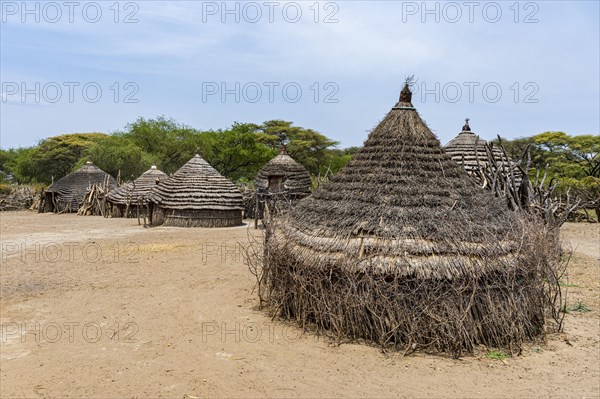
pixel 307 146
pixel 570 156
pixel 585 150
pixel 571 162
pixel 564 155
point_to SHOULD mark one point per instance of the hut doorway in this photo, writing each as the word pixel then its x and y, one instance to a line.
pixel 276 184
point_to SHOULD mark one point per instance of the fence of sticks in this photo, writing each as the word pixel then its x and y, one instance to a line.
pixel 18 198
pixel 135 207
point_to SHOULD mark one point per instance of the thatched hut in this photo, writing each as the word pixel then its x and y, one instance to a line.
pixel 130 200
pixel 196 196
pixel 66 194
pixel 402 248
pixel 281 181
pixel 469 150
pixel 283 174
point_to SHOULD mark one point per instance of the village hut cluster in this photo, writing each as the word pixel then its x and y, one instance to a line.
pixel 402 247
pixel 196 195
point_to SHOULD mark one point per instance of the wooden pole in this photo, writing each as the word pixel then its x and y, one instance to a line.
pixel 256 210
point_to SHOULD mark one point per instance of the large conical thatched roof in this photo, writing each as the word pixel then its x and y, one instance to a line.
pixel 197 185
pixel 72 188
pixel 296 177
pixel 400 195
pixel 469 150
pixel 138 188
pixel 402 247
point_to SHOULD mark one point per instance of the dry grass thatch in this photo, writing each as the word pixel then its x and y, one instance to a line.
pixel 66 194
pixel 492 169
pixel 130 199
pixel 294 177
pixel 196 196
pixel 281 182
pixel 403 249
pixel 471 152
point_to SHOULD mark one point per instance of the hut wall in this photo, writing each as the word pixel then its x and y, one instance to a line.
pixel 118 211
pixel 278 202
pixel 157 215
pixel 60 203
pixel 197 217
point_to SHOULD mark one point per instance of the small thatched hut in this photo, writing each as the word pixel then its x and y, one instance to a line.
pixel 402 248
pixel 283 174
pixel 469 150
pixel 66 194
pixel 196 196
pixel 130 200
pixel 281 182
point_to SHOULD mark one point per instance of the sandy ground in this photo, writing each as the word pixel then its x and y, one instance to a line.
pixel 95 307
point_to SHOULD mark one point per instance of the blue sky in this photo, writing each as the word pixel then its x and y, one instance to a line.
pixel 515 69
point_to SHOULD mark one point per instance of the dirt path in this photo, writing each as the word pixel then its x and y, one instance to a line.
pixel 95 307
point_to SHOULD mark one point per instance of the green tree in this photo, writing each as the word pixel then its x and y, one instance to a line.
pixel 573 160
pixel 7 160
pixel 236 152
pixel 564 155
pixel 307 146
pixel 120 155
pixel 53 158
pixel 585 150
pixel 169 143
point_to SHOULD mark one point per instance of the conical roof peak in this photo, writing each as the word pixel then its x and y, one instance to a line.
pixel 465 140
pixel 471 152
pixel 466 127
pixel 400 185
pixel 405 94
pixel 405 100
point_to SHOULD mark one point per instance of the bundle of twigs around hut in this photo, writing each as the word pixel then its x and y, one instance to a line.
pixel 517 299
pixel 94 202
pixel 17 198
